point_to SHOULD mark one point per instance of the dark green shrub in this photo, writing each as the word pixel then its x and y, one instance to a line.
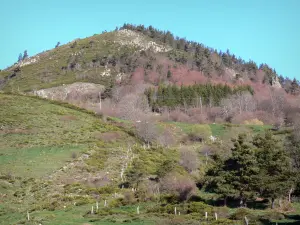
pixel 240 214
pixel 199 207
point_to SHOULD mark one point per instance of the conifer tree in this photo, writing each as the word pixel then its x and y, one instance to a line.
pixel 25 55
pixel 274 178
pixel 20 58
pixel 236 175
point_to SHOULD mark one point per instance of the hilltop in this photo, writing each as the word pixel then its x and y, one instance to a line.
pixel 135 53
pixel 132 59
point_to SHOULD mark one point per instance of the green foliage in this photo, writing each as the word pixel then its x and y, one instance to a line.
pixel 275 177
pixel 42 134
pixel 236 175
pixel 151 161
pixel 206 94
pixel 199 132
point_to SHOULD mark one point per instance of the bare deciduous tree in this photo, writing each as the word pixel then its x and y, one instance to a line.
pixel 189 159
pixel 237 104
pixel 178 184
pixel 166 138
pixel 147 131
pixel 132 107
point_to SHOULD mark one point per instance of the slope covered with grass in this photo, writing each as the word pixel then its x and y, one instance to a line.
pixel 38 137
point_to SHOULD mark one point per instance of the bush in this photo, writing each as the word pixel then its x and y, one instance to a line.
pixel 199 133
pixel 176 116
pixel 147 131
pixel 240 214
pixel 180 185
pixel 166 167
pixel 128 198
pixel 253 122
pixel 199 207
pixel 272 215
pixel 189 159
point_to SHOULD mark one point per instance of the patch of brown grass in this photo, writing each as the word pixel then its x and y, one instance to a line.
pixel 108 136
pixel 16 131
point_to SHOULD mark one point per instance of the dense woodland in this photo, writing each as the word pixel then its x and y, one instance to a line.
pixel 191 96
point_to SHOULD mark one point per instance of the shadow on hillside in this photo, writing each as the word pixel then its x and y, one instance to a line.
pixel 294 219
pixel 232 203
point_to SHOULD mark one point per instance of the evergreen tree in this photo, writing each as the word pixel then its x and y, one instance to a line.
pixel 217 179
pixel 20 58
pixel 243 169
pixel 294 87
pixel 236 175
pixel 169 74
pixel 25 55
pixel 292 147
pixel 274 179
pixel 58 43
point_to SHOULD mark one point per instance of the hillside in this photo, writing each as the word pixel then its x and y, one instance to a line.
pixel 58 160
pixel 137 126
pixel 133 59
pixel 134 53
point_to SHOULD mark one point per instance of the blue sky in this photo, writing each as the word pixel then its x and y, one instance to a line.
pixel 262 30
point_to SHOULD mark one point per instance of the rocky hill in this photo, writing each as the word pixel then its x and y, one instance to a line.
pixel 160 130
pixel 134 54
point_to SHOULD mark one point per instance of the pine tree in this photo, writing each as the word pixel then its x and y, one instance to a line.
pixel 169 74
pixel 25 55
pixel 217 179
pixel 274 178
pixel 243 168
pixel 58 43
pixel 20 58
pixel 294 87
pixel 236 175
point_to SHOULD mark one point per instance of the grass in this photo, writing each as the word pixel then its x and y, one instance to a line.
pixel 48 72
pixel 36 161
pixel 38 137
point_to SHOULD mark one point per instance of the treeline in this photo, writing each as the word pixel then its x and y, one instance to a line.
pixel 196 95
pixel 200 57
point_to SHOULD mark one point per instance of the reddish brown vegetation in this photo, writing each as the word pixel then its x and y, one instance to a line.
pixel 181 186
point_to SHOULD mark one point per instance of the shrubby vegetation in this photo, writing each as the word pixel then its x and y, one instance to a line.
pixel 172 148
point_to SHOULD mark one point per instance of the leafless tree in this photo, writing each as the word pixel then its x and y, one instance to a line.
pixel 277 101
pixel 237 104
pixel 147 131
pixel 166 138
pixel 132 107
pixel 178 184
pixel 189 159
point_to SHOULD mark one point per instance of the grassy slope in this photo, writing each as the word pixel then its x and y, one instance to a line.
pixel 38 137
pixel 42 134
pixel 47 72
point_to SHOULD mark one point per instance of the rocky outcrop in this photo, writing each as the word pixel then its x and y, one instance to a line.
pixel 75 91
pixel 129 37
pixel 275 82
pixel 28 61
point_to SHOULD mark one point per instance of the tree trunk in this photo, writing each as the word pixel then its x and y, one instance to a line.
pixel 241 202
pixel 290 194
pixel 225 201
pixel 273 203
